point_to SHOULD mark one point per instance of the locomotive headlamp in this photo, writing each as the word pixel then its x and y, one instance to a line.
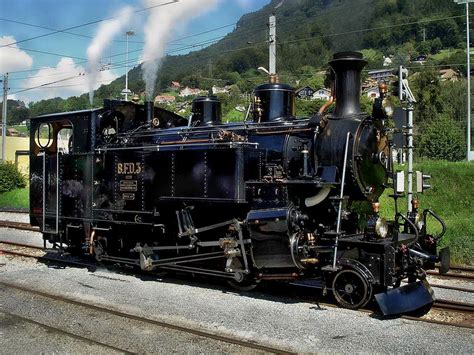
pixel 381 227
pixel 387 107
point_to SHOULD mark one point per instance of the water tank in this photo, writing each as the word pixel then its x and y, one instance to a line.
pixel 206 110
pixel 274 102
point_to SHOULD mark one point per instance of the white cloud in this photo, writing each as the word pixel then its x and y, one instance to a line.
pixel 13 58
pixel 69 79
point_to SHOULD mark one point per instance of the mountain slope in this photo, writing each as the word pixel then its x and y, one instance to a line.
pixel 308 33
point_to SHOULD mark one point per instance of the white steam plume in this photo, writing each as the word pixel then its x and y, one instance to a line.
pixel 161 24
pixel 106 32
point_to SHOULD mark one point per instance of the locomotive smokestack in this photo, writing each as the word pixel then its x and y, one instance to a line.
pixel 149 112
pixel 347 67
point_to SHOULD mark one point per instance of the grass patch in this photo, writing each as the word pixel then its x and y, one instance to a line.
pixel 19 198
pixel 452 198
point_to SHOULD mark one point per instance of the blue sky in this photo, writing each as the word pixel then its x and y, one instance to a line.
pixel 60 14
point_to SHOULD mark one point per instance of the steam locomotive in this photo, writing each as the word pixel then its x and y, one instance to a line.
pixel 275 197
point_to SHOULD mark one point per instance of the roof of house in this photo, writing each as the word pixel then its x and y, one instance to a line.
pixel 304 87
pixel 448 73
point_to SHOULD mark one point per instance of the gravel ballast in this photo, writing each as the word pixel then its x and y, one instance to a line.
pixel 287 322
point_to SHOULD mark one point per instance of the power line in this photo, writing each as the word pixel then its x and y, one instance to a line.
pixel 84 24
pixel 42 85
pixel 294 41
pixel 55 29
pixel 248 29
pixel 369 29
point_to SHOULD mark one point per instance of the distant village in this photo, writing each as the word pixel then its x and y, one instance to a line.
pixel 369 87
pixel 180 96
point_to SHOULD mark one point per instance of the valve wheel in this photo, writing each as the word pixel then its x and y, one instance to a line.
pixel 351 289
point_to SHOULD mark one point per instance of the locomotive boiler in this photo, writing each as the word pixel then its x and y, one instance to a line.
pixel 276 197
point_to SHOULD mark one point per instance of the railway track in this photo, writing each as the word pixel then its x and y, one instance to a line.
pixel 66 333
pixel 164 324
pixel 18 225
pixel 463 308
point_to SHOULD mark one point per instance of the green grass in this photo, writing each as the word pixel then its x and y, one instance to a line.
pixel 443 54
pixel 452 198
pixel 15 199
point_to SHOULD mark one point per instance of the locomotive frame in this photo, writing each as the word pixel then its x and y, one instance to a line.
pixel 275 198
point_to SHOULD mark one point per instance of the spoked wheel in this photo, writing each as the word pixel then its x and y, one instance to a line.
pixel 351 289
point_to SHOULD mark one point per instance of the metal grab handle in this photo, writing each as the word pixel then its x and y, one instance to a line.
pixel 411 224
pixel 438 218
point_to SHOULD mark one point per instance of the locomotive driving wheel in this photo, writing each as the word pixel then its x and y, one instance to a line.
pixel 351 289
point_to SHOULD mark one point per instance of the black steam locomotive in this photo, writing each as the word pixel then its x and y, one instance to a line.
pixel 275 197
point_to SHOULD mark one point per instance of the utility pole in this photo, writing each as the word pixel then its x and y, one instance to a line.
pixel 126 91
pixel 424 34
pixel 468 75
pixel 210 68
pixel 468 50
pixel 406 96
pixel 272 44
pixel 4 114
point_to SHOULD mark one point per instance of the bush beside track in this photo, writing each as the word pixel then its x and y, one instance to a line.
pixel 452 198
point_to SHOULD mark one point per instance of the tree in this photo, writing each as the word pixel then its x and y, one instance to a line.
pixel 442 139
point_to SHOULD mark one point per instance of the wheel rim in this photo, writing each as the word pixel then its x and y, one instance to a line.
pixel 351 289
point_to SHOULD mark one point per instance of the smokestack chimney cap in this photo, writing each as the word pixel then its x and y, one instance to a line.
pixel 347 56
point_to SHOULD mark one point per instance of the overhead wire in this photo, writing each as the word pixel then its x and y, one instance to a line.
pixel 85 24
pixel 242 33
pixel 55 29
pixel 117 65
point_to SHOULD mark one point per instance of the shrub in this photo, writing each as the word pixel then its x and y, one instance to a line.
pixel 442 138
pixel 10 177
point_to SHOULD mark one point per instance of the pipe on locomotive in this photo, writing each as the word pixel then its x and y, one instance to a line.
pixel 347 68
pixel 149 112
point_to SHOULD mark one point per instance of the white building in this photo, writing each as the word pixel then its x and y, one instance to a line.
pixel 322 94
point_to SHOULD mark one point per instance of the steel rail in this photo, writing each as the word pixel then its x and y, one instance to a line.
pixel 463 307
pixel 21 245
pixel 67 333
pixel 451 275
pixel 185 329
pixel 448 287
pixel 18 225
pixel 446 305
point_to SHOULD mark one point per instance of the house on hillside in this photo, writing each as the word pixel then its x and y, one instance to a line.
pixel 421 59
pixel 12 132
pixel 322 94
pixel 219 90
pixel 175 85
pixel 373 92
pixel 187 91
pixel 305 93
pixel 387 61
pixel 380 74
pixel 164 99
pixel 449 75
